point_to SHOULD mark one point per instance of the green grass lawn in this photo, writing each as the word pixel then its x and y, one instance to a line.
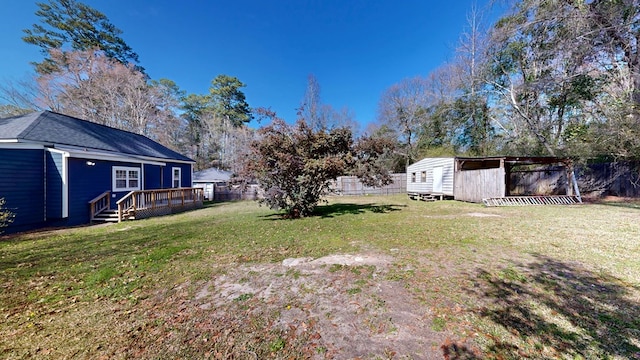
pixel 518 282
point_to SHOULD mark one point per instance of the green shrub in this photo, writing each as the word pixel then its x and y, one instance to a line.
pixel 6 216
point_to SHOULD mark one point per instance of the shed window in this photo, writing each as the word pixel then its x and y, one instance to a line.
pixel 126 178
pixel 413 177
pixel 423 177
pixel 177 172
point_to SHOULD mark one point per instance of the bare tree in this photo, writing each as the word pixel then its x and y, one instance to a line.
pixel 470 53
pixel 169 128
pixel 615 30
pixel 614 35
pixel 321 116
pixel 311 106
pixel 20 94
pixel 471 107
pixel 91 86
pixel 12 110
pixel 403 106
pixel 539 74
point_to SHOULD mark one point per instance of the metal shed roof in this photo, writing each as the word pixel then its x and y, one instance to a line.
pixel 211 175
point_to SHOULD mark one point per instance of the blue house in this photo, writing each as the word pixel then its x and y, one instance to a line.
pixel 57 170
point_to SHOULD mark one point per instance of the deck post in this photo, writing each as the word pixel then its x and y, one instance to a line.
pixel 505 191
pixel 576 190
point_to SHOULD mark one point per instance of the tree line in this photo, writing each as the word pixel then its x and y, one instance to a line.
pixel 549 77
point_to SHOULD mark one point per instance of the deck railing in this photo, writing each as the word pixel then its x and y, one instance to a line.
pixel 100 203
pixel 147 203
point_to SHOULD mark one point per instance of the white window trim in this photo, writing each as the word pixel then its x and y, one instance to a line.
pixel 173 173
pixel 114 169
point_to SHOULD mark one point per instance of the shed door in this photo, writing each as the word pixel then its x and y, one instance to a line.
pixel 437 179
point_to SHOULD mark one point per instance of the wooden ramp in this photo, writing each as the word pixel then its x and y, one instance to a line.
pixel 533 200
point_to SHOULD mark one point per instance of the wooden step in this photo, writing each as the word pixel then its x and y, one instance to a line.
pixel 425 197
pixel 110 216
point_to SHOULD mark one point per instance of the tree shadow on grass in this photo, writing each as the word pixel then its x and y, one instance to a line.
pixel 455 351
pixel 333 210
pixel 629 205
pixel 329 211
pixel 551 308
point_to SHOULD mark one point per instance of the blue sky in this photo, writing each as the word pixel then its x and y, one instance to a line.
pixel 355 48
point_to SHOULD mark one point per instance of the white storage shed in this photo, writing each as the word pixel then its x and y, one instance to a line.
pixel 431 178
pixel 493 180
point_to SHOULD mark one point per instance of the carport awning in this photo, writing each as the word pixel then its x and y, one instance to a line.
pixel 493 162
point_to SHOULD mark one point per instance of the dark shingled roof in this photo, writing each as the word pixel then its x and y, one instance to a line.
pixel 52 128
pixel 211 175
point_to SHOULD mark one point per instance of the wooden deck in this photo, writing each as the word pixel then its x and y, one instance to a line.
pixel 148 203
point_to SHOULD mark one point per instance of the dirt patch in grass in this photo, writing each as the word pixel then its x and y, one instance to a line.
pixel 346 306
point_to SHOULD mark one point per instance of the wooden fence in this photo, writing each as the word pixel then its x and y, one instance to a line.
pixel 475 185
pixel 344 185
pixel 594 180
pixel 613 178
pixel 234 193
pixel 539 181
pixel 351 185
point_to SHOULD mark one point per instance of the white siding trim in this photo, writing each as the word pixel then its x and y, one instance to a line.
pixel 17 145
pixel 97 156
pixel 106 155
pixel 65 180
pixel 65 185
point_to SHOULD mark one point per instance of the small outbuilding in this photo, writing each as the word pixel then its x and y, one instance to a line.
pixel 209 179
pixel 494 181
pixel 431 178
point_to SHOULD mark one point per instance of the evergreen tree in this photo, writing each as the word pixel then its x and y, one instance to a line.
pixel 78 26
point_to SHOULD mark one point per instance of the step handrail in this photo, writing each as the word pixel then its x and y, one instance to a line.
pixel 126 203
pixel 100 203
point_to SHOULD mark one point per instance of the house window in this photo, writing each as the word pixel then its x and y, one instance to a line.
pixel 126 178
pixel 423 177
pixel 177 172
pixel 413 177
